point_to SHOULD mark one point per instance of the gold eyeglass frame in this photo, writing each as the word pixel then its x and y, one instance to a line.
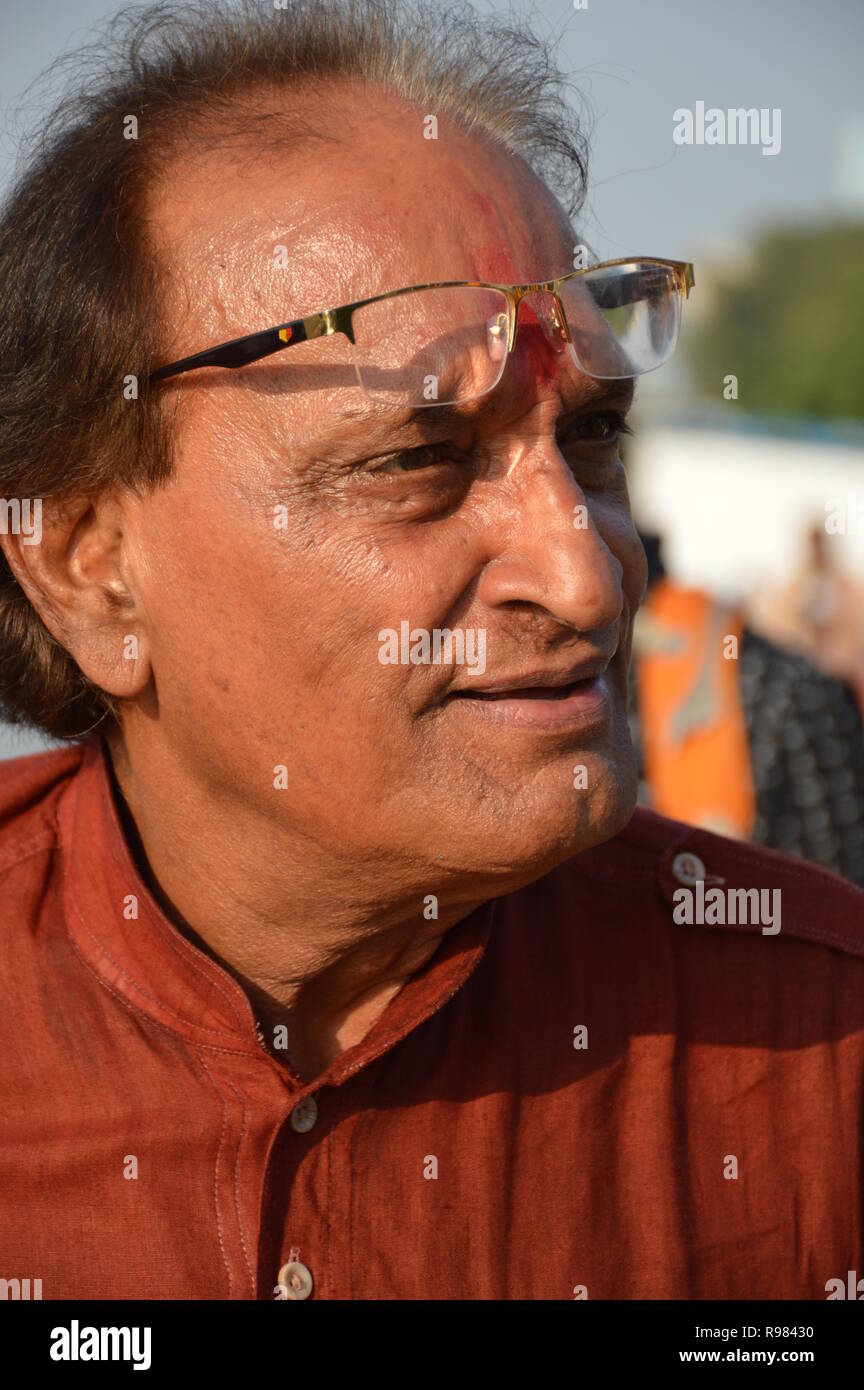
pixel 239 352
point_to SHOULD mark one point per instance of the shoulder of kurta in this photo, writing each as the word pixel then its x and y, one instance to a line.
pixel 709 882
pixel 28 790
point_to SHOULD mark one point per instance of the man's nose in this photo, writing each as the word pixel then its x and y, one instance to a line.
pixel 551 554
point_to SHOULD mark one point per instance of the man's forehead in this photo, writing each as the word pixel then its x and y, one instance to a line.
pixel 278 233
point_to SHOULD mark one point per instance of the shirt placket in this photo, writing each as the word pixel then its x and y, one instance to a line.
pixel 304 1249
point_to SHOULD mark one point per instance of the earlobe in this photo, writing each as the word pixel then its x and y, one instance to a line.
pixel 115 657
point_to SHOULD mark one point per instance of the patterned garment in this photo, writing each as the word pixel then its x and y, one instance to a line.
pixel 807 753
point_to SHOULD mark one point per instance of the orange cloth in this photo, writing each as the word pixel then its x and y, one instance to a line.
pixel 697 759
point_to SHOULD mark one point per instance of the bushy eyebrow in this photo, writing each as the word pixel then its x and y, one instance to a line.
pixel 400 419
pixel 389 427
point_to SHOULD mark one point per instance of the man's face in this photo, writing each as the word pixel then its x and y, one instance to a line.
pixel 303 520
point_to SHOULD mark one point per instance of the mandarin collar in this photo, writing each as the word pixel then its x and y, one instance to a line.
pixel 157 972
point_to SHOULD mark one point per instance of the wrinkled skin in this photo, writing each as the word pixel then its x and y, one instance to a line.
pixel 258 644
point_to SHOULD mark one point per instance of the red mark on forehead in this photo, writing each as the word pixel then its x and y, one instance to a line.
pixel 496 264
pixel 533 351
pixel 495 255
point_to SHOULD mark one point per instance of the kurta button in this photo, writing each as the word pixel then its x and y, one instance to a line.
pixel 304 1115
pixel 295 1281
pixel 688 869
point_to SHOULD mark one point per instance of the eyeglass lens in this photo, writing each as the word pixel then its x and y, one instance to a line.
pixel 449 345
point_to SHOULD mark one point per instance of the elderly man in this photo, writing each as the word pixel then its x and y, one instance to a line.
pixel 336 962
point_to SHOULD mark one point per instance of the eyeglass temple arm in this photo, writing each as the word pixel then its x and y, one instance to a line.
pixel 241 351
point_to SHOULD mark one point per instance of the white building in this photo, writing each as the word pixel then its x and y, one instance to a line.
pixel 734 496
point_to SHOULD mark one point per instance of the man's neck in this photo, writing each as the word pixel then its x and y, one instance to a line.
pixel 318 956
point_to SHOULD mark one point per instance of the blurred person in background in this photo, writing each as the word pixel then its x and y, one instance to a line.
pixel 819 612
pixel 740 735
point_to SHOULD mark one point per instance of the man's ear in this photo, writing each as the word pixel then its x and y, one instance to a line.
pixel 72 567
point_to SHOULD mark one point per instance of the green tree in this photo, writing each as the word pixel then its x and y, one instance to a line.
pixel 791 328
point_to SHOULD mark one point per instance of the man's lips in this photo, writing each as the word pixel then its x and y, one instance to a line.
pixel 538 700
pixel 528 692
pixel 538 684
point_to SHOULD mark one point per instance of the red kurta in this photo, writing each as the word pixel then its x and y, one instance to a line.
pixel 705 1143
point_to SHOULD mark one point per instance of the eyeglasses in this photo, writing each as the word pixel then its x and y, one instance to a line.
pixel 448 342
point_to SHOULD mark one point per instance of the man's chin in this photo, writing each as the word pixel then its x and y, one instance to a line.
pixel 566 835
pixel 546 826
